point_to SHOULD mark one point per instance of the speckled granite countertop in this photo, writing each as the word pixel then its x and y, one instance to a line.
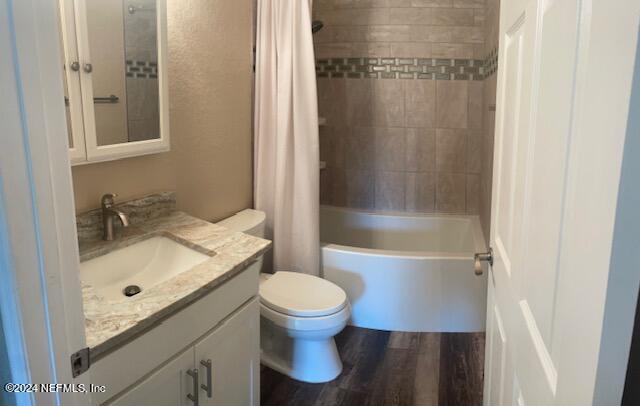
pixel 112 323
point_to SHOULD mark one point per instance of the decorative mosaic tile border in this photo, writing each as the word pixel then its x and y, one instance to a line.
pixel 142 69
pixel 491 63
pixel 401 68
pixel 408 68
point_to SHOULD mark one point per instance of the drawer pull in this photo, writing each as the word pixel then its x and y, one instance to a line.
pixel 194 397
pixel 209 386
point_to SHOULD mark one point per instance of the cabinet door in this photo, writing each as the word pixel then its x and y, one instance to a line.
pixel 168 386
pixel 71 81
pixel 122 48
pixel 234 352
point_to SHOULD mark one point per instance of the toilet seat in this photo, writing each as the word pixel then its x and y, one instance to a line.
pixel 301 296
pixel 317 324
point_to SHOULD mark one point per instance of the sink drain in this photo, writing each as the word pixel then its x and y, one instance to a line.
pixel 132 290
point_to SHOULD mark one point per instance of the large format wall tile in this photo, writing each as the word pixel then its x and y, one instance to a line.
pixel 332 101
pixel 474 152
pixel 476 104
pixel 420 191
pixel 326 184
pixel 429 3
pixel 420 104
pixel 469 3
pixel 417 49
pixel 360 16
pixel 453 17
pixel 410 16
pixel 348 49
pixel 388 103
pixel 389 191
pixel 360 149
pixel 473 194
pixel 338 187
pixel 451 192
pixel 452 104
pixel 416 154
pixel 332 146
pixel 451 50
pixel 451 150
pixel 359 102
pixel 390 149
pixel 421 150
pixel 359 187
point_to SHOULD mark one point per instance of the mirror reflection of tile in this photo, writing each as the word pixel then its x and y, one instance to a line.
pixel 141 55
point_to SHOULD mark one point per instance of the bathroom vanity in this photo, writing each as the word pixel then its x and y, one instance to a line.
pixel 191 334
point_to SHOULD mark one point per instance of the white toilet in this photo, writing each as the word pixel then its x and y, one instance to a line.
pixel 300 315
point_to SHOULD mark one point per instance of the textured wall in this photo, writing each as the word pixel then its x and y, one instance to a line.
pixel 129 178
pixel 396 144
pixel 210 112
pixel 210 50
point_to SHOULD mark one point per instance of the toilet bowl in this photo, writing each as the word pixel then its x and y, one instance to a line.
pixel 299 316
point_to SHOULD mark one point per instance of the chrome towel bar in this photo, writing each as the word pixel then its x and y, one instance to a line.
pixel 110 99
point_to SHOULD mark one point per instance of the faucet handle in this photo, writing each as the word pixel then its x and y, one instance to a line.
pixel 107 199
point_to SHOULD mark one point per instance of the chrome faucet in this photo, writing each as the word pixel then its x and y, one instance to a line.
pixel 108 214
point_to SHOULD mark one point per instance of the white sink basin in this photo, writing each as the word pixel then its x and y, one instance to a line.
pixel 144 264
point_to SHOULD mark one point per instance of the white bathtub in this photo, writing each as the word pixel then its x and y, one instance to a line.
pixel 406 272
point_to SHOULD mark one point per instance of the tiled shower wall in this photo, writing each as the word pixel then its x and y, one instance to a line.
pixel 491 47
pixel 412 138
pixel 395 144
pixel 400 28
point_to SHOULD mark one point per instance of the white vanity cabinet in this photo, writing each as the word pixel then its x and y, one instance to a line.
pixel 227 361
pixel 158 367
pixel 233 353
pixel 167 386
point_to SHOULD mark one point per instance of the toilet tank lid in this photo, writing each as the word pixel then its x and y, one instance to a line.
pixel 243 221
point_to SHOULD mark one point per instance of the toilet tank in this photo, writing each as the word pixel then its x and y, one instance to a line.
pixel 248 221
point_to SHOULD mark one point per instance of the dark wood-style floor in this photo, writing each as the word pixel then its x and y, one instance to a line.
pixel 391 368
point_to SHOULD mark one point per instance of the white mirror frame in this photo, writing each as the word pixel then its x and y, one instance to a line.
pixel 77 153
pixel 99 153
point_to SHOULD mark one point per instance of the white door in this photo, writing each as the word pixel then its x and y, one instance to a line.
pixel 232 352
pixel 168 386
pixel 546 46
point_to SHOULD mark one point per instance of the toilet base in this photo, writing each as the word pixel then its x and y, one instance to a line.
pixel 305 357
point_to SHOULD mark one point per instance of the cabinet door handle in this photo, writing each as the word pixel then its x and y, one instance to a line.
pixel 196 387
pixel 209 386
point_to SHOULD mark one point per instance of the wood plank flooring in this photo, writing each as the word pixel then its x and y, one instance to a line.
pixel 391 368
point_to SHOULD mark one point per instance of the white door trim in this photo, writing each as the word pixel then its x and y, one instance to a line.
pixel 38 195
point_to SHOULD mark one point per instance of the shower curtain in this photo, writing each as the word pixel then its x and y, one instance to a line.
pixel 286 152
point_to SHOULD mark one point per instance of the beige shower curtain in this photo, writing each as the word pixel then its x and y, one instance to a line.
pixel 286 153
